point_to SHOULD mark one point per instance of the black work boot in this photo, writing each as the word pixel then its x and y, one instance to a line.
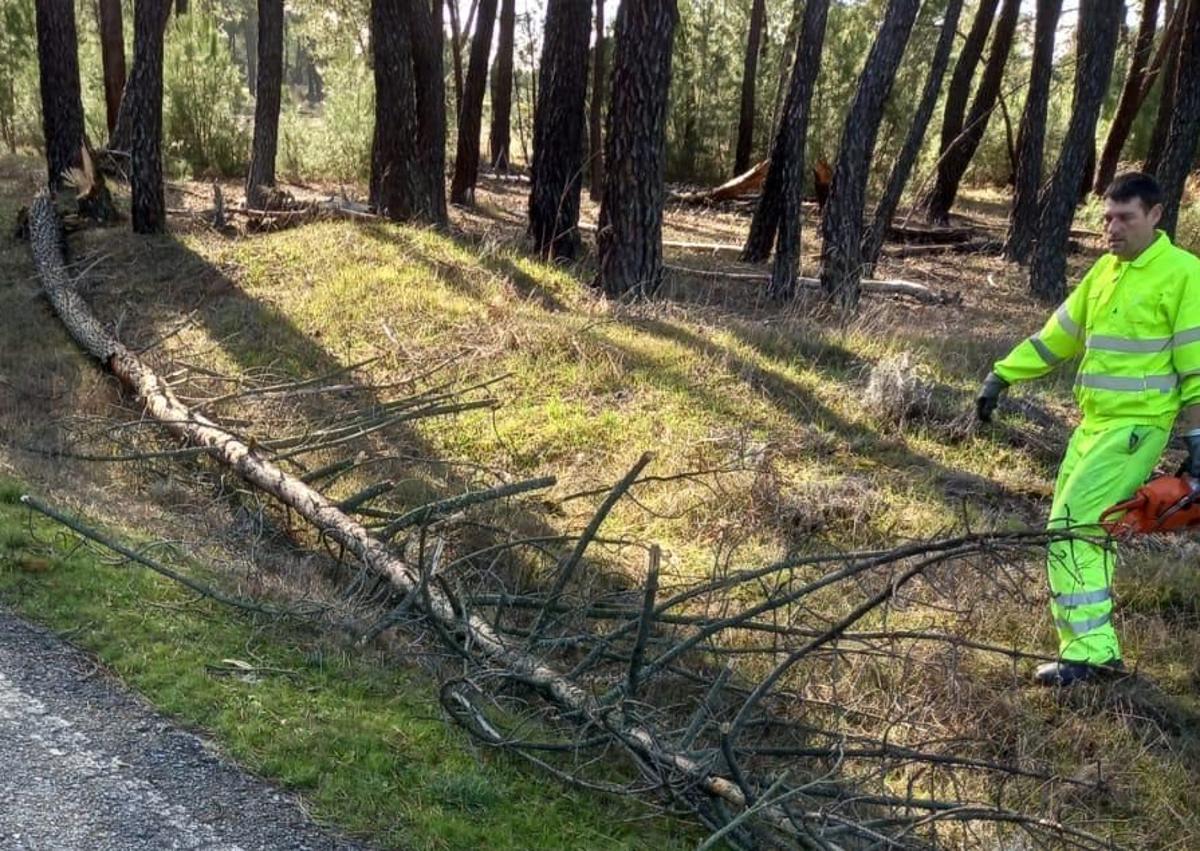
pixel 1065 673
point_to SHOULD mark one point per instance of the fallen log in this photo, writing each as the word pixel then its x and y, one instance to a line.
pixel 476 638
pixel 894 287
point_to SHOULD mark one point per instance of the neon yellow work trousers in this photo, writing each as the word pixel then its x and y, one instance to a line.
pixel 1101 467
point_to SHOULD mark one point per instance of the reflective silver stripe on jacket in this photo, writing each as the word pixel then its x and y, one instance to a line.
pixel 1081 627
pixel 1161 383
pixel 1083 598
pixel 1125 344
pixel 1108 343
pixel 1069 325
pixel 1044 352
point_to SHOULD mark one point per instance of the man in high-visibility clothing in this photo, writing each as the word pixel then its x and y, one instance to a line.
pixel 1135 320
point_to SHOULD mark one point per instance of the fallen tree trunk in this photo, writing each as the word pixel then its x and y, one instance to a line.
pixel 896 287
pixel 473 634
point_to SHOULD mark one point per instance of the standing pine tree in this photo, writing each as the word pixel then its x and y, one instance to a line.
pixel 902 168
pixel 777 217
pixel 557 172
pixel 629 237
pixel 958 155
pixel 112 54
pixel 1099 22
pixel 470 114
pixel 145 95
pixel 1022 222
pixel 266 105
pixel 1179 154
pixel 502 84
pixel 745 138
pixel 842 220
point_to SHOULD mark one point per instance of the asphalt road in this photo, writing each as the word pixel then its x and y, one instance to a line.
pixel 87 766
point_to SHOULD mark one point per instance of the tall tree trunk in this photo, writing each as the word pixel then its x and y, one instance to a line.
pixel 1180 152
pixel 1031 139
pixel 1131 97
pixel 959 90
pixel 250 33
pixel 499 138
pixel 112 48
pixel 396 180
pixel 58 76
pixel 787 59
pixel 596 132
pixel 456 37
pixel 745 140
pixel 470 118
pixel 145 93
pixel 121 136
pixel 629 237
pixel 953 164
pixel 266 104
pixel 430 78
pixel 842 218
pixel 1099 22
pixel 777 217
pixel 902 168
pixel 558 130
pixel 1166 97
pixel 67 147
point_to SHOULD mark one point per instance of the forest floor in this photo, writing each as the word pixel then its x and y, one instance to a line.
pixel 773 429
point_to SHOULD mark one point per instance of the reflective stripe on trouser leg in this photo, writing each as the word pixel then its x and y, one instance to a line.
pixel 1099 469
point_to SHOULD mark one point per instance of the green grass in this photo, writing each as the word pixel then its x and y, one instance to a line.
pixel 362 741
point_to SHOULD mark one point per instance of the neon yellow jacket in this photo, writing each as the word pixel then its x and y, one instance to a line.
pixel 1137 325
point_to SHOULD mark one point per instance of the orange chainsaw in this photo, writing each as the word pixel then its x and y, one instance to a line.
pixel 1164 504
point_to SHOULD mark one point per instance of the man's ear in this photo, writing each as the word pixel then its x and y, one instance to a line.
pixel 1155 214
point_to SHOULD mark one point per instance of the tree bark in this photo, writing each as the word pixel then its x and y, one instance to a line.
pixel 902 168
pixel 112 47
pixel 745 140
pixel 629 238
pixel 778 218
pixel 121 137
pixel 1099 22
pixel 596 131
pixel 842 219
pixel 959 91
pixel 470 117
pixel 1166 98
pixel 58 76
pixel 1179 153
pixel 428 67
pixel 456 54
pixel 1031 139
pixel 145 93
pixel 1131 97
pixel 499 138
pixel 558 130
pixel 266 105
pixel 396 181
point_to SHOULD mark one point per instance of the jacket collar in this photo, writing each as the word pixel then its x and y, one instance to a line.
pixel 1153 251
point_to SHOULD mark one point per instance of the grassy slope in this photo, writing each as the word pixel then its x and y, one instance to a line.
pixel 706 381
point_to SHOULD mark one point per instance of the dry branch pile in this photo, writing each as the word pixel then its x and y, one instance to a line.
pixel 710 684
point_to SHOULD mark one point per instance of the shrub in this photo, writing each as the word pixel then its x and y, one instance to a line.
pixel 205 102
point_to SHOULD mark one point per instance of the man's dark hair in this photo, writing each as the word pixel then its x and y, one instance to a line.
pixel 1135 184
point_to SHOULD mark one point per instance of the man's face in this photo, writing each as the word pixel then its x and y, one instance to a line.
pixel 1129 226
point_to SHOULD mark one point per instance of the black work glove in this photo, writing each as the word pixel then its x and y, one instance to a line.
pixel 989 396
pixel 1191 467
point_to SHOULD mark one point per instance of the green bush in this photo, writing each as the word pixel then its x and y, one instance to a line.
pixel 334 141
pixel 205 103
pixel 20 106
